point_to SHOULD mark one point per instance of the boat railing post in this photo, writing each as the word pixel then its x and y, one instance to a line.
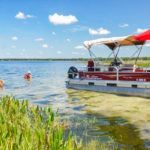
pixel 117 73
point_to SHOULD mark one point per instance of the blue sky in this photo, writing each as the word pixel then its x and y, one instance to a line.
pixel 57 28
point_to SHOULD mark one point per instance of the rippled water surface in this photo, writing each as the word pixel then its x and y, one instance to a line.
pixel 92 116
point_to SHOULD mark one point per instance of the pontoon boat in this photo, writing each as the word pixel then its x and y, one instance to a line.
pixel 117 77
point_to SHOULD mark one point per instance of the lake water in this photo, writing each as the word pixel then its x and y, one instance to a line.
pixel 90 115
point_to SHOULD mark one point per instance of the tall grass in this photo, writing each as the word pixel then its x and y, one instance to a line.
pixel 27 127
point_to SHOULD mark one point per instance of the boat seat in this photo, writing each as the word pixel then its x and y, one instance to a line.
pixel 90 65
pixel 139 70
pixel 127 67
pixel 97 69
pixel 111 69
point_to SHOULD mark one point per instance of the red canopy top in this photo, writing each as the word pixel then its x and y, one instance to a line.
pixel 145 36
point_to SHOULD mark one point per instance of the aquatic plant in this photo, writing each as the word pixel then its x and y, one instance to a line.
pixel 28 127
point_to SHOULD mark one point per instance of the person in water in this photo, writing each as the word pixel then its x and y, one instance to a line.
pixel 28 75
pixel 1 83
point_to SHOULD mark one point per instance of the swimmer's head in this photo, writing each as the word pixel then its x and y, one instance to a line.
pixel 29 72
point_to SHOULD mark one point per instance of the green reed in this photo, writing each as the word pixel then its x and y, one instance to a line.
pixel 29 127
pixel 26 127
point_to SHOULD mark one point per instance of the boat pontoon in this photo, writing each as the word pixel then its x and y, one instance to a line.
pixel 118 77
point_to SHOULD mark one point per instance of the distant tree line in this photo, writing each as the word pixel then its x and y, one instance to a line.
pixel 70 59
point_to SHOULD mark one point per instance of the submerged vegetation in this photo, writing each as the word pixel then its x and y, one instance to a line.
pixel 127 116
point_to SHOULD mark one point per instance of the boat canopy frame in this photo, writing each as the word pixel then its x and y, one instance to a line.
pixel 116 42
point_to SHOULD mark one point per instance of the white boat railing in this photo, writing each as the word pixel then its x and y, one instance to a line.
pixel 110 69
pixel 107 68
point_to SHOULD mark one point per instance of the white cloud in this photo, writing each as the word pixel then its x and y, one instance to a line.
pixel 39 39
pixel 124 25
pixel 45 46
pixel 59 52
pixel 79 47
pixel 139 30
pixel 14 38
pixel 53 33
pixel 100 31
pixel 21 15
pixel 57 19
pixel 68 40
pixel 29 16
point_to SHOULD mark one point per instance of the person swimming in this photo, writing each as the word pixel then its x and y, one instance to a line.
pixel 28 75
pixel 1 83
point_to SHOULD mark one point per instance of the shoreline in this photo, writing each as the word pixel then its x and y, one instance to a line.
pixel 69 59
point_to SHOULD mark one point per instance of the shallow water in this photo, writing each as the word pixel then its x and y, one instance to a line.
pixel 91 115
